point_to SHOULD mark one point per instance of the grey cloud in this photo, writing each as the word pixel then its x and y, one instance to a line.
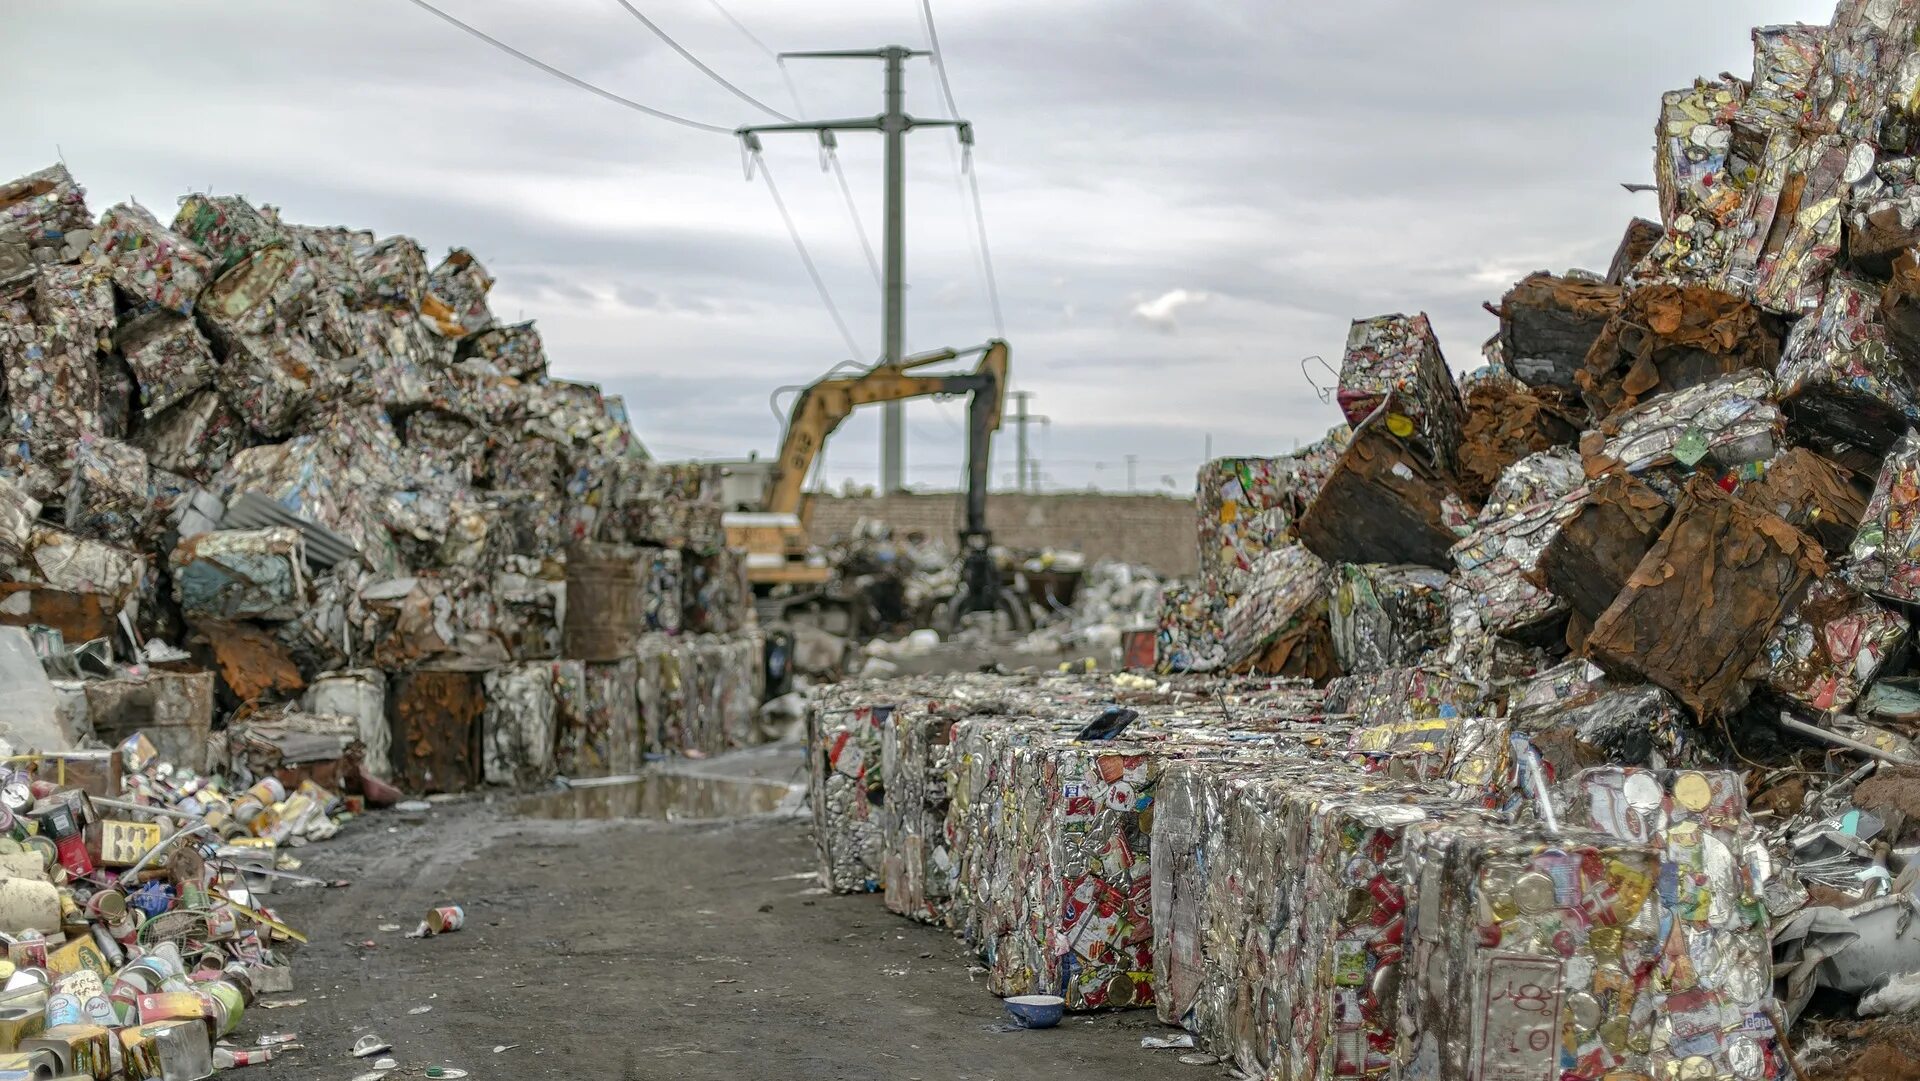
pixel 1300 164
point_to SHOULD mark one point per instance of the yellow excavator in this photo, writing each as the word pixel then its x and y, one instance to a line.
pixel 775 537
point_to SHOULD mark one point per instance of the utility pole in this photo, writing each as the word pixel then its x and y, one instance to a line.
pixel 894 123
pixel 1022 418
pixel 1132 460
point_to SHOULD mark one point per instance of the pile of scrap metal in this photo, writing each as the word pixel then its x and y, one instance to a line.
pixel 895 581
pixel 1106 602
pixel 895 590
pixel 1613 633
pixel 289 501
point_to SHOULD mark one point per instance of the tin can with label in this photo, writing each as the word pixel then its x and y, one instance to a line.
pixel 65 1009
pixel 110 908
pixel 215 1013
pixel 82 984
pixel 125 996
pixel 73 855
pixel 171 1006
pixel 59 822
pixel 222 924
pixel 28 952
pixel 446 918
pixel 250 816
pixel 233 1004
pixel 16 796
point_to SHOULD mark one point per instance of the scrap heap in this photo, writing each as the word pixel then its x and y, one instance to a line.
pixel 1579 707
pixel 352 494
pixel 289 522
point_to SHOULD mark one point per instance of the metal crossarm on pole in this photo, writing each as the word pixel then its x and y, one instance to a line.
pixel 894 124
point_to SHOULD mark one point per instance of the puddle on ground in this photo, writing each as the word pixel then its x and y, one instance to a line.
pixel 659 795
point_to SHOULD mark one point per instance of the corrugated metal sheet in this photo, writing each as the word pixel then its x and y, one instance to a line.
pixel 324 548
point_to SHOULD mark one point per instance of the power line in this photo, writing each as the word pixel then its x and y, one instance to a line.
pixel 570 79
pixel 832 155
pixel 853 211
pixel 986 253
pixel 742 27
pixel 982 251
pixel 695 61
pixel 939 62
pixel 800 245
pixel 785 75
pixel 953 150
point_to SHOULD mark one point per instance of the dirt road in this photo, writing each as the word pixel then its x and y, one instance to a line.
pixel 645 949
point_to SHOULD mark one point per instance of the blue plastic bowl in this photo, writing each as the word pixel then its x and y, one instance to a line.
pixel 1036 1011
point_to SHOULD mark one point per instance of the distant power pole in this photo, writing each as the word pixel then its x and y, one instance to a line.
pixel 1132 460
pixel 894 124
pixel 1022 418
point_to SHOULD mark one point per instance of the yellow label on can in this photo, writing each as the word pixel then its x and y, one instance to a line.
pixel 80 955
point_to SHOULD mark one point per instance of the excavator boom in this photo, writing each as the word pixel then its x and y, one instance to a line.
pixel 822 407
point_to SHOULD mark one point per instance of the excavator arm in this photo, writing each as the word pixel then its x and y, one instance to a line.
pixel 822 407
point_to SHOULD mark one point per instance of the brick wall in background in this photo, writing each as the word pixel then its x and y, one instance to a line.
pixel 1154 530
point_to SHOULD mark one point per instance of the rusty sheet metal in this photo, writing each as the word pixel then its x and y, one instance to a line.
pixel 1701 605
pixel 436 730
pixel 615 594
pixel 79 617
pixel 250 661
pixel 1668 337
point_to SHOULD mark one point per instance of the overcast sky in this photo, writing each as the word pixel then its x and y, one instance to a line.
pixel 1183 200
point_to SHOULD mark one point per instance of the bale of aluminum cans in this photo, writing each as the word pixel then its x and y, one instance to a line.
pixel 518 726
pixel 1524 954
pixel 1713 1012
pixel 1398 357
pixel 1384 616
pixel 148 260
pixel 845 744
pixel 917 860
